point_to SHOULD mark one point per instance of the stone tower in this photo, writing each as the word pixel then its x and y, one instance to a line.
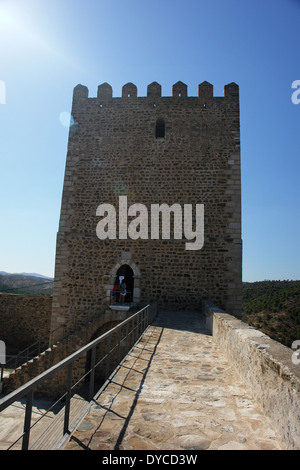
pixel 152 150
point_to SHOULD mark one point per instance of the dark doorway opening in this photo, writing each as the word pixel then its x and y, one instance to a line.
pixel 125 272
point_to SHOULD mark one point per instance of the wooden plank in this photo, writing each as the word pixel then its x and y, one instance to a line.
pixel 48 438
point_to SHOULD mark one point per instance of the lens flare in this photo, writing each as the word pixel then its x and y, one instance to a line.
pixel 66 119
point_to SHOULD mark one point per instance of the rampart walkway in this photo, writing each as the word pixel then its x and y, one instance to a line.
pixel 175 390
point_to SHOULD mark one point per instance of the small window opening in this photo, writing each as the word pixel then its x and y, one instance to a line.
pixel 128 96
pixel 160 129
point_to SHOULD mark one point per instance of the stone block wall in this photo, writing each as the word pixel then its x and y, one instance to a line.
pixel 266 366
pixel 24 319
pixel 55 387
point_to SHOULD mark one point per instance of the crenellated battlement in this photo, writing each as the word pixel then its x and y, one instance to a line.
pixel 154 90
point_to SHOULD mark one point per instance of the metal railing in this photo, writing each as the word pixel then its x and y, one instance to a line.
pixel 15 361
pixel 132 329
pixel 36 348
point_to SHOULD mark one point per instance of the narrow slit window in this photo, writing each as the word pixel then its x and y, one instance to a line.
pixel 160 129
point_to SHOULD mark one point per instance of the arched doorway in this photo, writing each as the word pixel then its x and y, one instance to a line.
pixel 125 272
pixel 133 277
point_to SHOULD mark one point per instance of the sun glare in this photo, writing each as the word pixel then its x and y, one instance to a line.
pixel 5 16
pixel 15 22
pixel 22 30
pixel 28 33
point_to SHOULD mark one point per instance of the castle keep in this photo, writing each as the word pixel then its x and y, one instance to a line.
pixel 152 195
pixel 150 151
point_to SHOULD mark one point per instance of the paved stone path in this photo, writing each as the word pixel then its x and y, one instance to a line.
pixel 175 391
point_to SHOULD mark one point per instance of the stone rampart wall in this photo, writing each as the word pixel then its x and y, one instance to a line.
pixel 24 319
pixel 55 387
pixel 267 368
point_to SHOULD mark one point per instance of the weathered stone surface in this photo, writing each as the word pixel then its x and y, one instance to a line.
pixel 267 368
pixel 158 400
pixel 24 320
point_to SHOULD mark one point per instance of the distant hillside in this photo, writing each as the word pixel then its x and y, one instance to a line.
pixel 27 274
pixel 273 307
pixel 25 284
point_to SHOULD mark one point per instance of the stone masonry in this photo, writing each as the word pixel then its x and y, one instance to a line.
pixel 153 150
pixel 176 391
pixel 24 320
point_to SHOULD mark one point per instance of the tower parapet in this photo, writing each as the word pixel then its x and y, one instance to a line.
pixel 104 92
pixel 154 90
pixel 179 90
pixel 205 90
pixel 80 92
pixel 129 91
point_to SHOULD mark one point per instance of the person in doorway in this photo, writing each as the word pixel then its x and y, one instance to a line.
pixel 114 294
pixel 122 291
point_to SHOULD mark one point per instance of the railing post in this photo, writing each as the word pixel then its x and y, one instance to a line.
pixel 138 326
pixel 136 329
pixel 127 339
pixel 68 398
pixel 27 420
pixel 107 357
pixel 132 331
pixel 92 374
pixel 119 345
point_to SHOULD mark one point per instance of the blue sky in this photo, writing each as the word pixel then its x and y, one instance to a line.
pixel 49 46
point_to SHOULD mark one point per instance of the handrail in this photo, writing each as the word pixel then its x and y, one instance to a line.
pixel 25 355
pixel 140 321
pixel 39 346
